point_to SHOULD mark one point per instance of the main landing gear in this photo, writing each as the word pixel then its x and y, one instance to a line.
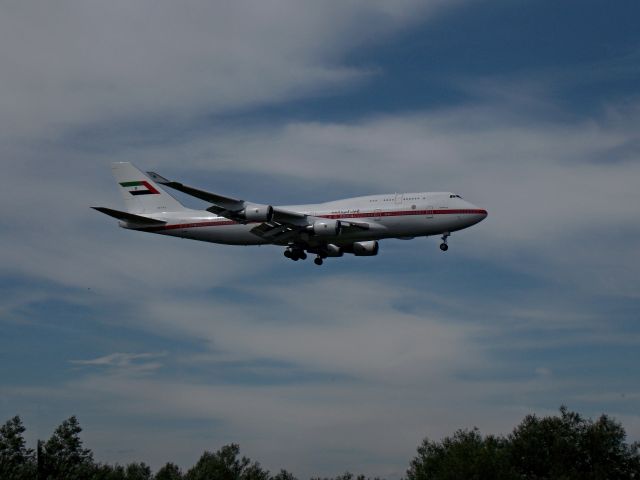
pixel 443 246
pixel 295 254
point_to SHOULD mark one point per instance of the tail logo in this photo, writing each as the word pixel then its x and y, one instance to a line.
pixel 141 187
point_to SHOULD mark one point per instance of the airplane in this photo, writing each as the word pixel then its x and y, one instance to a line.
pixel 331 229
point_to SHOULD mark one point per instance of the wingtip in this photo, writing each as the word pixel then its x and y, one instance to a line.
pixel 158 178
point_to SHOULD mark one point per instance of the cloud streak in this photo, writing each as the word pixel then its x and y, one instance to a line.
pixel 75 63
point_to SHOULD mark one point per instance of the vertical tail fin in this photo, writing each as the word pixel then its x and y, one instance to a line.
pixel 140 193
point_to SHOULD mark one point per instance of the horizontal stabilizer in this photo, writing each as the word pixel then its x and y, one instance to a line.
pixel 129 217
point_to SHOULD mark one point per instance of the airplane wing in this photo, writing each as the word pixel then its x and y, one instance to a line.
pixel 282 233
pixel 358 225
pixel 278 227
pixel 227 206
pixel 219 202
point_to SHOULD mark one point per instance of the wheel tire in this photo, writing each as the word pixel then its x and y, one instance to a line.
pixel 287 253
pixel 303 256
pixel 444 247
pixel 318 261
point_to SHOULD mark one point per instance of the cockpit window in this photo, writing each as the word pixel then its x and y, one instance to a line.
pixel 455 196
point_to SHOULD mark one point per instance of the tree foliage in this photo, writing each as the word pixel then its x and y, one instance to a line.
pixel 284 475
pixel 108 472
pixel 346 476
pixel 170 471
pixel 566 447
pixel 138 471
pixel 465 455
pixel 570 446
pixel 226 465
pixel 63 455
pixel 16 460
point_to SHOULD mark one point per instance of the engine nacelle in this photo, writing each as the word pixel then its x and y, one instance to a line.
pixel 326 228
pixel 331 250
pixel 257 213
pixel 365 249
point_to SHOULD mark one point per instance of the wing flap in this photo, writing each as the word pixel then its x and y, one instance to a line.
pixel 276 233
pixel 267 230
pixel 289 217
pixel 359 225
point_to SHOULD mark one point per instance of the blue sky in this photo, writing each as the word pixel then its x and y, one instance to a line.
pixel 164 347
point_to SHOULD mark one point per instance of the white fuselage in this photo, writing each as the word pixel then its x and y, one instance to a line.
pixel 389 216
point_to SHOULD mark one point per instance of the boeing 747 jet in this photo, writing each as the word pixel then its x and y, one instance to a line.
pixel 331 229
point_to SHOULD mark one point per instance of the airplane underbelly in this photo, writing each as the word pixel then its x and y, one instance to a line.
pixel 235 234
pixel 450 222
pixel 419 225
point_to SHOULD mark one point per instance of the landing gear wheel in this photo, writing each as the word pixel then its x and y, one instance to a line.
pixel 318 261
pixel 295 254
pixel 443 246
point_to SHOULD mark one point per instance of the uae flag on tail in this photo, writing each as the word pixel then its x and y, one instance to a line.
pixel 141 187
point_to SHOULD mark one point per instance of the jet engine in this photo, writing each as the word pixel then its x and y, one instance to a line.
pixel 365 249
pixel 257 213
pixel 326 228
pixel 331 250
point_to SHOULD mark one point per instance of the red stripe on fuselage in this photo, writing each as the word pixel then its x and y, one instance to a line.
pixel 333 216
pixel 393 213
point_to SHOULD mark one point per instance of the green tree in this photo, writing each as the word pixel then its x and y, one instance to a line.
pixel 17 462
pixel 344 476
pixel 572 447
pixel 63 456
pixel 603 445
pixel 466 455
pixel 567 447
pixel 108 472
pixel 170 471
pixel 138 471
pixel 225 465
pixel 284 475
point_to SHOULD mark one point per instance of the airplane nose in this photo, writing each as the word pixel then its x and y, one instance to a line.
pixel 480 215
pixel 477 214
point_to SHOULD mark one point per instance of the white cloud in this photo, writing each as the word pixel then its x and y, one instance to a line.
pixel 125 363
pixel 339 325
pixel 69 63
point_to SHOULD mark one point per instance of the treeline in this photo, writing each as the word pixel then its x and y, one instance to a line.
pixel 565 446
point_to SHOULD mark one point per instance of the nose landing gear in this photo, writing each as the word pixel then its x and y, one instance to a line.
pixel 318 260
pixel 443 246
